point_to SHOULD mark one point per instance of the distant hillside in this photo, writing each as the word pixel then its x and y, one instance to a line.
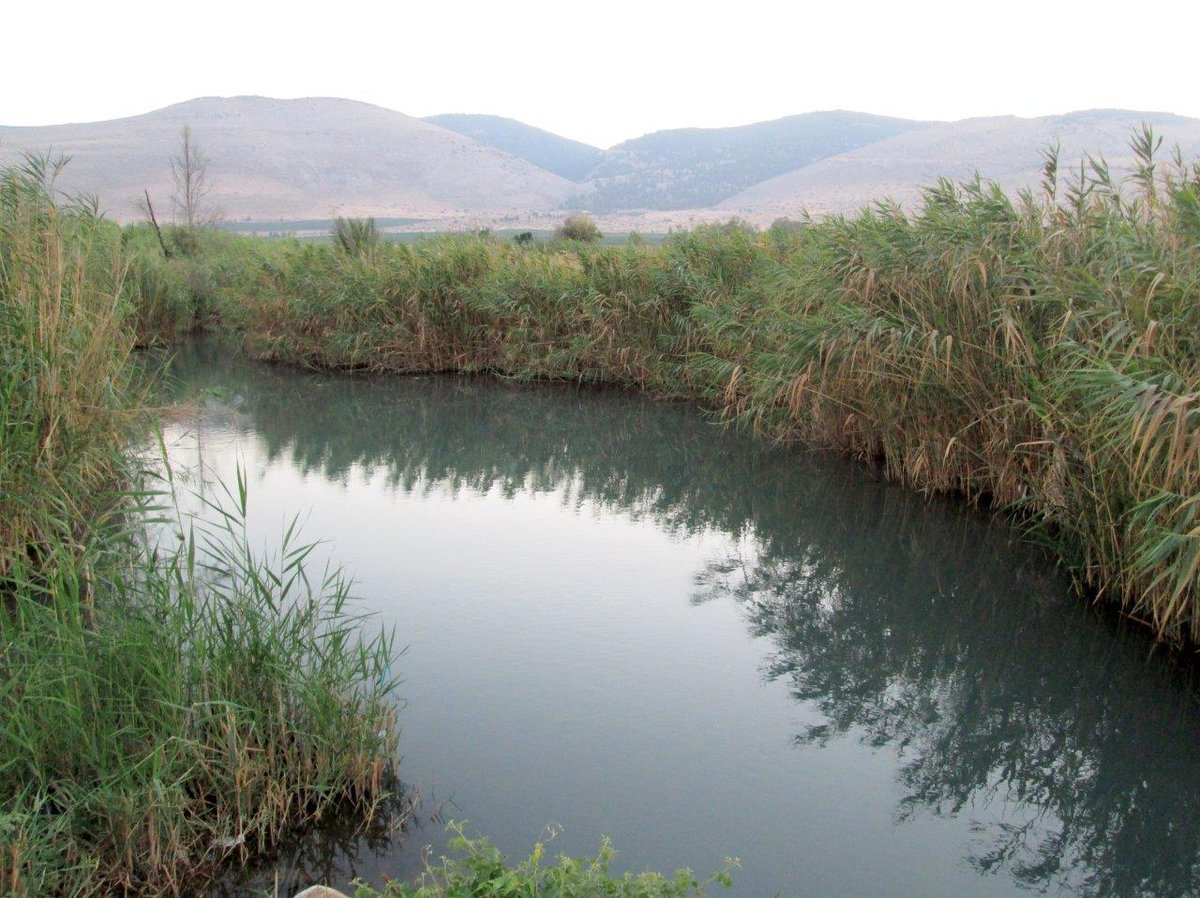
pixel 1004 149
pixel 697 167
pixel 274 162
pixel 569 159
pixel 289 159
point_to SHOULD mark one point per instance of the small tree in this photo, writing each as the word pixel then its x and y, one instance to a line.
pixel 578 227
pixel 189 172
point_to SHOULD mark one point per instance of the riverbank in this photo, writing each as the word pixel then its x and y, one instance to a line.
pixel 171 701
pixel 1036 356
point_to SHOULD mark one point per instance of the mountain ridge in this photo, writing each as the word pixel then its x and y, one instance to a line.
pixel 1004 149
pixel 320 157
pixel 698 167
pixel 304 158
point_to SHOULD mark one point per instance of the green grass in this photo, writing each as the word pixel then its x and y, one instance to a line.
pixel 211 703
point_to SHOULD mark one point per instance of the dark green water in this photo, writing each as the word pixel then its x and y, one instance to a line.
pixel 622 620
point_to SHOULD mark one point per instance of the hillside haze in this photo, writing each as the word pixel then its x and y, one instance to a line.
pixel 697 167
pixel 292 159
pixel 567 158
pixel 1004 149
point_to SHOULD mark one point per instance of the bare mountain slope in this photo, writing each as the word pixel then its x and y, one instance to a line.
pixel 288 159
pixel 1003 149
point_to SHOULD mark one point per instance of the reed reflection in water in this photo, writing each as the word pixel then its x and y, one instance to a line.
pixel 852 689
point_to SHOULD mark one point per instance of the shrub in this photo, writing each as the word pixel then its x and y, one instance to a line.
pixel 578 227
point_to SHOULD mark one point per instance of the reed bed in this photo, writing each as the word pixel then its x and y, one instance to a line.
pixel 63 360
pixel 166 705
pixel 1035 354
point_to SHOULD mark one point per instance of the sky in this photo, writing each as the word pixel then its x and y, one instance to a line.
pixel 604 72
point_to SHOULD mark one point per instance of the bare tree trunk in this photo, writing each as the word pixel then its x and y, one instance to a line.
pixel 157 229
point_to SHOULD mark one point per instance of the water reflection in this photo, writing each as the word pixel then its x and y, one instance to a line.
pixel 1070 749
pixel 338 850
pixel 1069 746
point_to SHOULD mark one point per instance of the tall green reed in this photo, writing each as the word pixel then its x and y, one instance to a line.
pixel 215 702
pixel 63 354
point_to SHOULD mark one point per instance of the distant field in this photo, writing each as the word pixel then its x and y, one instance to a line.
pixel 613 239
pixel 299 226
pixel 616 238
pixel 318 230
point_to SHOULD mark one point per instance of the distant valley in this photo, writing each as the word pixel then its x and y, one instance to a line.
pixel 288 161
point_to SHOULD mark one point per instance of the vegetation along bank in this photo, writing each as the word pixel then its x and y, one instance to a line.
pixel 168 700
pixel 1035 354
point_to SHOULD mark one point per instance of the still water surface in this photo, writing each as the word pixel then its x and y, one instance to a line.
pixel 622 620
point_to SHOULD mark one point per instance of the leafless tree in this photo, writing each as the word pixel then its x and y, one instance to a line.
pixel 189 171
pixel 147 208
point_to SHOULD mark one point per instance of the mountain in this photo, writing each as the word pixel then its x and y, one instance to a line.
pixel 1004 149
pixel 696 167
pixel 292 159
pixel 566 158
pixel 289 160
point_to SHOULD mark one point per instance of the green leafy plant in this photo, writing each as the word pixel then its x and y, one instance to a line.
pixel 481 871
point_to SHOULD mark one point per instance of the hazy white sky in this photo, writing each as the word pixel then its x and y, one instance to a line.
pixel 603 72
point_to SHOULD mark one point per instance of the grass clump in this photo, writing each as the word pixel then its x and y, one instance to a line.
pixel 212 703
pixel 355 236
pixel 172 296
pixel 482 872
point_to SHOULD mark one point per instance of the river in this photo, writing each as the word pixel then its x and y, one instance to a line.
pixel 624 620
